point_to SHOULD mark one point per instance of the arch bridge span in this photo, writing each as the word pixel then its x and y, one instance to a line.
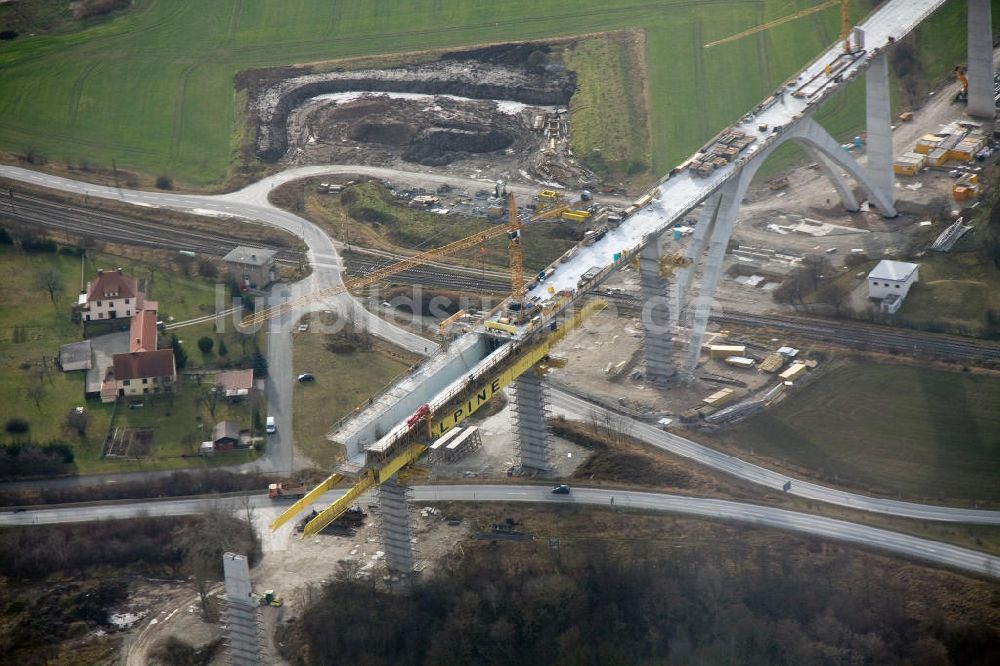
pixel 786 115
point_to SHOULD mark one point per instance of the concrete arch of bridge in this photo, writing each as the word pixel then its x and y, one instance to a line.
pixel 817 142
pixel 720 213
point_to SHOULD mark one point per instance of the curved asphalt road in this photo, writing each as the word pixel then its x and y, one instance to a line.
pixel 935 552
pixel 569 405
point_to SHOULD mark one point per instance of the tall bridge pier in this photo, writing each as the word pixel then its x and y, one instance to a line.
pixel 394 528
pixel 980 58
pixel 657 343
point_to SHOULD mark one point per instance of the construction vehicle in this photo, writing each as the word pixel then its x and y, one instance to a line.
pixel 286 490
pixel 962 96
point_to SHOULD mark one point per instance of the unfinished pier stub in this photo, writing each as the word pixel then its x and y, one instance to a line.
pixel 394 526
pixel 532 446
pixel 243 631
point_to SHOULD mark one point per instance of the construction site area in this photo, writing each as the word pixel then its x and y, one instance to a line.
pixel 792 328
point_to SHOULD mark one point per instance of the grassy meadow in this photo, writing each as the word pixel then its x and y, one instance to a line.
pixel 152 88
pixel 918 433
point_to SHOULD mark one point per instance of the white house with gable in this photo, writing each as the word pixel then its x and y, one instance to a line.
pixel 890 281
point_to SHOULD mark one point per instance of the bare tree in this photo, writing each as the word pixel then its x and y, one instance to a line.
pixel 78 419
pixel 835 294
pixel 51 281
pixel 37 393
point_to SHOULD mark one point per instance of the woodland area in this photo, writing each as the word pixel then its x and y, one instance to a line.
pixel 62 582
pixel 778 601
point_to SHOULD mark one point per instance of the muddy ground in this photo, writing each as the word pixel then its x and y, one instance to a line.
pixel 376 129
pixel 500 107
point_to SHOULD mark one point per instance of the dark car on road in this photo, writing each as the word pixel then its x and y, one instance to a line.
pixel 306 377
pixel 561 489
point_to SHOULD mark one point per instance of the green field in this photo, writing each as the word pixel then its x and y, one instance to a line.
pixel 895 430
pixel 957 289
pixel 610 121
pixel 343 383
pixel 153 89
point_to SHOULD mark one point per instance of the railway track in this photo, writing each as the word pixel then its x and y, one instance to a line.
pixel 80 221
pixel 872 336
pixel 857 335
pixel 433 277
pixel 112 227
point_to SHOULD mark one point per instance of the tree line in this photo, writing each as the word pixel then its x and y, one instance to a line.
pixel 706 605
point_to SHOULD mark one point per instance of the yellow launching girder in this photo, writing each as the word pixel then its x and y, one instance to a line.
pixel 307 499
pixel 371 478
pixel 454 414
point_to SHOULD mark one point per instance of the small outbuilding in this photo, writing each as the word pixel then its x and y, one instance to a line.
pixel 75 356
pixel 252 267
pixel 235 384
pixel 892 279
pixel 225 435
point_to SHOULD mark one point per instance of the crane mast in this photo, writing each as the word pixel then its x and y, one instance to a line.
pixel 845 26
pixel 515 251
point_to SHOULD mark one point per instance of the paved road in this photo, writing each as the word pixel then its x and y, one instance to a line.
pixel 910 546
pixel 574 407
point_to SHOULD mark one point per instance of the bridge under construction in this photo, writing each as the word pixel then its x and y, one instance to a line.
pixel 512 344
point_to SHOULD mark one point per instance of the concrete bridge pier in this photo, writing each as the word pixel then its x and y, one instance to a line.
pixel 394 528
pixel 726 206
pixel 879 125
pixel 657 343
pixel 980 57
pixel 532 446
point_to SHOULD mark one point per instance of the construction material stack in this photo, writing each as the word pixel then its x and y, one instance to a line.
pixel 724 150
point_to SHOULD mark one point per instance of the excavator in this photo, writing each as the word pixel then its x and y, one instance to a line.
pixel 962 96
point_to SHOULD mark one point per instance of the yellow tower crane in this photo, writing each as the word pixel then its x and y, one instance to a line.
pixel 512 230
pixel 515 251
pixel 845 24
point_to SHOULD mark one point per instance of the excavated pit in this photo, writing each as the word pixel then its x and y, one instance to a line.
pixel 478 102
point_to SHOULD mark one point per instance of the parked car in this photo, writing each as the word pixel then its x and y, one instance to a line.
pixel 306 377
pixel 271 427
pixel 561 489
